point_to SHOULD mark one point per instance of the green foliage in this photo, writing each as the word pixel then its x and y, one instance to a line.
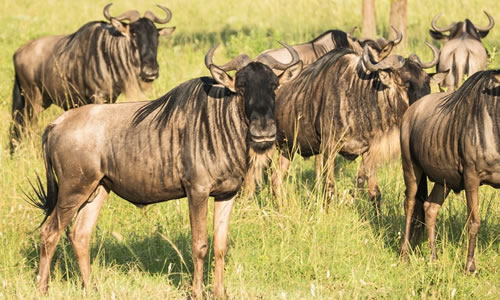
pixel 297 252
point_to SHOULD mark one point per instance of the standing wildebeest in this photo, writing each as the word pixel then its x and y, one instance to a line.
pixel 93 65
pixel 311 51
pixel 462 53
pixel 345 101
pixel 198 140
pixel 454 140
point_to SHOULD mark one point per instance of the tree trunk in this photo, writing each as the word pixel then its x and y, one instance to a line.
pixel 398 19
pixel 369 29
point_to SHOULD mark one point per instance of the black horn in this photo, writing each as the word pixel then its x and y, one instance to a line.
pixel 435 27
pixel 490 25
pixel 154 18
pixel 390 62
pixel 274 64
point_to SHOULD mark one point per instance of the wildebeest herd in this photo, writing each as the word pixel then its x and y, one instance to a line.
pixel 210 136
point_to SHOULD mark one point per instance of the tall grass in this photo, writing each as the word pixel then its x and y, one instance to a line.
pixel 297 252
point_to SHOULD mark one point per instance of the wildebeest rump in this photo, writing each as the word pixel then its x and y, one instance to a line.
pixel 454 140
pixel 345 102
pixel 462 52
pixel 198 140
pixel 93 65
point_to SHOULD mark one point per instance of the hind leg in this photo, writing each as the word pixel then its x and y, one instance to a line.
pixel 82 229
pixel 69 201
pixel 25 110
pixel 471 192
pixel 431 207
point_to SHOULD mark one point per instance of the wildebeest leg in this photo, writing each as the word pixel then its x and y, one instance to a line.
pixel 86 219
pixel 25 109
pixel 368 170
pixel 278 175
pixel 198 206
pixel 329 182
pixel 431 207
pixel 361 176
pixel 222 211
pixel 412 176
pixel 318 168
pixel 471 183
pixel 70 198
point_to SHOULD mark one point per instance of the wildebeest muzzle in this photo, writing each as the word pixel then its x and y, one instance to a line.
pixel 263 130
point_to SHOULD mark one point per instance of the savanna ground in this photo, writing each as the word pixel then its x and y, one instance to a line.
pixel 297 252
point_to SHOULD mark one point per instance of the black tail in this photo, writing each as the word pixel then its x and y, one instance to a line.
pixel 45 200
pixel 18 114
pixel 418 219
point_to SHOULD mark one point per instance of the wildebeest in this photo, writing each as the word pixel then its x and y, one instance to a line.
pixel 95 64
pixel 198 140
pixel 454 140
pixel 462 53
pixel 311 51
pixel 345 102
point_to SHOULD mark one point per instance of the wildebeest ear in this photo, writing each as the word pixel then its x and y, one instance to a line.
pixel 438 77
pixel 291 72
pixel 386 50
pixel 222 77
pixel 121 27
pixel 166 31
pixel 438 35
pixel 385 77
pixel 483 33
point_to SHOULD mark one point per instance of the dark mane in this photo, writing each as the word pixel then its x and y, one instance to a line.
pixel 194 92
pixel 468 94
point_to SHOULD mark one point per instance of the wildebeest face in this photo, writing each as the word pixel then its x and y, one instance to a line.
pixel 144 37
pixel 415 79
pixel 256 84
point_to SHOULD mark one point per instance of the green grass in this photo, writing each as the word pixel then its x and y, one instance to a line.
pixel 298 252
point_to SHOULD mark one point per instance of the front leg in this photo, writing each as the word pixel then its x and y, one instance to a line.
pixel 198 205
pixel 278 175
pixel 222 211
pixel 368 171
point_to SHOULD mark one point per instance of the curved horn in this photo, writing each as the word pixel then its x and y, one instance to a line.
pixel 350 33
pixel 430 64
pixel 235 64
pixel 274 64
pixel 390 62
pixel 106 11
pixel 490 25
pixel 399 36
pixel 434 60
pixel 131 15
pixel 435 27
pixel 157 20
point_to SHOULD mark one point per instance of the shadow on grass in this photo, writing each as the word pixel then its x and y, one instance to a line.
pixel 451 224
pixel 155 254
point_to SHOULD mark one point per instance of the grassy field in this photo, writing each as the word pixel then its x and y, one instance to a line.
pixel 298 252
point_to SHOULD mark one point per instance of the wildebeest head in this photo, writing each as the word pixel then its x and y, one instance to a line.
pixel 408 74
pixel 460 29
pixel 255 82
pixel 143 36
pixel 380 48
